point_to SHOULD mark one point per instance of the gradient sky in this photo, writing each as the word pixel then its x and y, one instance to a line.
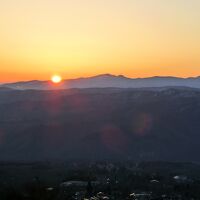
pixel 74 38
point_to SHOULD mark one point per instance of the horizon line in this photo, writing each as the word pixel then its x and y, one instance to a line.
pixel 99 75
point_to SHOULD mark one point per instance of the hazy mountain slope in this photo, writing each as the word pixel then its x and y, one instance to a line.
pixel 107 80
pixel 100 123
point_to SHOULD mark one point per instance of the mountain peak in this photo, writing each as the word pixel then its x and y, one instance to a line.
pixel 109 76
pixel 104 76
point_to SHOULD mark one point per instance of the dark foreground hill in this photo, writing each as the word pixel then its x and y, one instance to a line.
pixel 96 124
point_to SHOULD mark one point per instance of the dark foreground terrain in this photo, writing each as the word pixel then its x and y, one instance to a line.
pixel 97 124
pixel 121 127
pixel 99 180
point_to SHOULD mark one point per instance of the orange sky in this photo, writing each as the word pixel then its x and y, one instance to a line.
pixel 136 38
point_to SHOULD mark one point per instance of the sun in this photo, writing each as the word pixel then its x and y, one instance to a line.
pixel 56 79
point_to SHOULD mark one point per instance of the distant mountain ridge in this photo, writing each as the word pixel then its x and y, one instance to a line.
pixel 108 80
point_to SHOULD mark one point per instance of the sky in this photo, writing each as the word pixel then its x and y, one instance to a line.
pixel 80 38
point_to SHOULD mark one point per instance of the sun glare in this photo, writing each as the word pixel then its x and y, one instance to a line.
pixel 56 79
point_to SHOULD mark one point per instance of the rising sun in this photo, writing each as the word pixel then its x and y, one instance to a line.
pixel 56 79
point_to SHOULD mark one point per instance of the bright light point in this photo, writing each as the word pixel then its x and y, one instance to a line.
pixel 56 79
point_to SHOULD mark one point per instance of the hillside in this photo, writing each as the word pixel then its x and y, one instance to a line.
pixel 138 124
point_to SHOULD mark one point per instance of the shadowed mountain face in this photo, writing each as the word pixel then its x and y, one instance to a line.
pixel 153 124
pixel 107 80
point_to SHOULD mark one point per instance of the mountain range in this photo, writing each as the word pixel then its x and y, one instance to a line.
pixel 107 80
